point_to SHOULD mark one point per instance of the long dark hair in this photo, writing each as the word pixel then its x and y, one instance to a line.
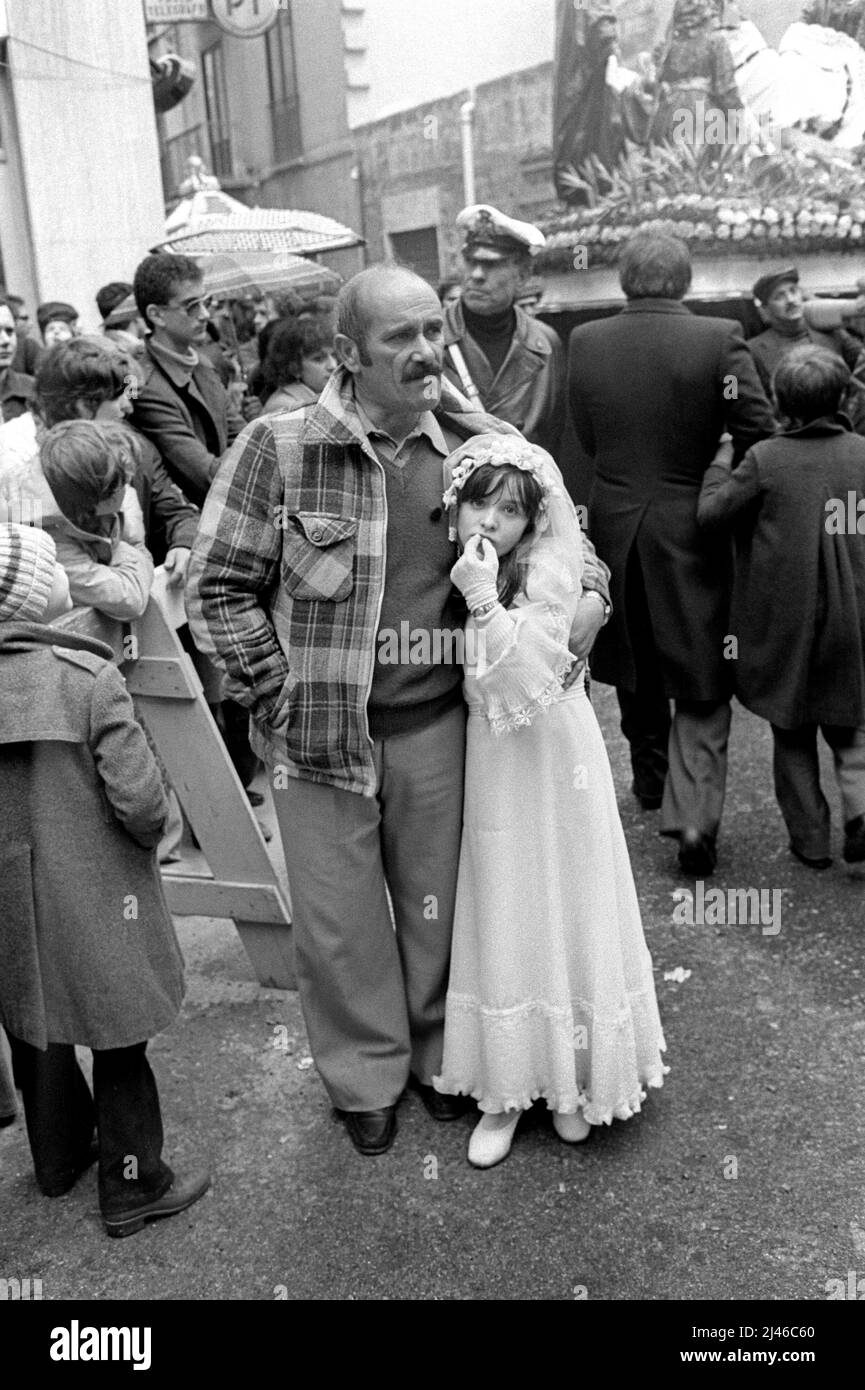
pixel 488 481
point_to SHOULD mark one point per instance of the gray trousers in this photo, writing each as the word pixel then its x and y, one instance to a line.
pixel 372 985
pixel 697 767
pixel 797 782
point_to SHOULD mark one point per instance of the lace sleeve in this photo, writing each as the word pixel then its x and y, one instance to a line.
pixel 522 653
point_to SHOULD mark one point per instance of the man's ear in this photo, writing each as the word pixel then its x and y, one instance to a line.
pixel 524 270
pixel 149 312
pixel 347 353
pixel 758 305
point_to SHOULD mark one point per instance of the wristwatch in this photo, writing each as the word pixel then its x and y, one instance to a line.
pixel 593 593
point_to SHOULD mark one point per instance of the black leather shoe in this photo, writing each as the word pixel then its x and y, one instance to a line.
pixel 824 862
pixel 441 1107
pixel 697 854
pixel 854 841
pixel 649 797
pixel 180 1195
pixel 84 1161
pixel 371 1131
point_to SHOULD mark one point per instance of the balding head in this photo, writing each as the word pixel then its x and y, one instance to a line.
pixel 390 338
pixel 368 294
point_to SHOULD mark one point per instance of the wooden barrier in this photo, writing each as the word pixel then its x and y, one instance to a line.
pixel 168 693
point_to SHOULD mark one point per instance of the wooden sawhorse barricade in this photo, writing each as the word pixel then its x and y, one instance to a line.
pixel 161 677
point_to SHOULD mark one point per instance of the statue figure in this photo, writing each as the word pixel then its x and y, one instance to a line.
pixel 598 103
pixel 696 72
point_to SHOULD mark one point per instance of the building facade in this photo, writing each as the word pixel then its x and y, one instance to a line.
pixel 78 149
pixel 411 168
pixel 267 114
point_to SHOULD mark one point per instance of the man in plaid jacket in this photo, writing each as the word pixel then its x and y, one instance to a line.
pixel 319 580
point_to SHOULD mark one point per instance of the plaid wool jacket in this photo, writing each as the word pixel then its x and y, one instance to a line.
pixel 287 573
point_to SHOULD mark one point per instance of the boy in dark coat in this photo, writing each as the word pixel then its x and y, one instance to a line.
pixel 798 606
pixel 88 953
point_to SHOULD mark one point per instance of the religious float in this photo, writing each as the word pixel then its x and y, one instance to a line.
pixel 744 136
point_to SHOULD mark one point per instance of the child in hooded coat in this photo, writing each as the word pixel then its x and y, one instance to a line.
pixel 88 954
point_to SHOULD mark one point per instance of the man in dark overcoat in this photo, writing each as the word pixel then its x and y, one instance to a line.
pixel 651 391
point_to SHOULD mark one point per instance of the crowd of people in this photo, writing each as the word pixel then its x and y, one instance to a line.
pixel 465 916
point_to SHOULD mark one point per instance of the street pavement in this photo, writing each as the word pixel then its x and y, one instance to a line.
pixel 742 1179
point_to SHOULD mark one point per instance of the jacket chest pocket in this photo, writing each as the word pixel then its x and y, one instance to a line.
pixel 318 556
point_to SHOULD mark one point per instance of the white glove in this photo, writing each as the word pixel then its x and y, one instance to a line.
pixel 476 571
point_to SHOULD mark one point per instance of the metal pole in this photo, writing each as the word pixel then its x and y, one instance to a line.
pixel 467 117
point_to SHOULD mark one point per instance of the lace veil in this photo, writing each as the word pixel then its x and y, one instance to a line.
pixel 553 554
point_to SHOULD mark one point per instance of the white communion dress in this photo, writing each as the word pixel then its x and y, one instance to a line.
pixel 551 994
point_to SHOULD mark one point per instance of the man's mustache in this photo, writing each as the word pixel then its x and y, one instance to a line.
pixel 421 373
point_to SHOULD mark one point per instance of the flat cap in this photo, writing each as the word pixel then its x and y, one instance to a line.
pixel 55 309
pixel 487 227
pixel 767 284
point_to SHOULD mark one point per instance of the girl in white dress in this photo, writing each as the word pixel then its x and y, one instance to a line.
pixel 551 993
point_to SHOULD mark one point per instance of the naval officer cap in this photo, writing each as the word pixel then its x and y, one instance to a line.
pixel 487 229
pixel 766 286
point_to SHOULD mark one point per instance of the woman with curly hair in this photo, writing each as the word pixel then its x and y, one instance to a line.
pixel 298 363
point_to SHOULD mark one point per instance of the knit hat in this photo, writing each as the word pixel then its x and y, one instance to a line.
pixel 27 563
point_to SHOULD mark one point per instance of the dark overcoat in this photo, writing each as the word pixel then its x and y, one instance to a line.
pixel 88 952
pixel 798 607
pixel 651 391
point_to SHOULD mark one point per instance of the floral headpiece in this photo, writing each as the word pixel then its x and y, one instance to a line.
pixel 501 451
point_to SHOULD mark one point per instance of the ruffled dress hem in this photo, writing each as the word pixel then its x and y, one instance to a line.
pixel 561 1104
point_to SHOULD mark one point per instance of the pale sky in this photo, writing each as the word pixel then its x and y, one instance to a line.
pixel 422 49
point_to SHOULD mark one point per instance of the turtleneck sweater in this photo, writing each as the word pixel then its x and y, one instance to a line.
pixel 493 334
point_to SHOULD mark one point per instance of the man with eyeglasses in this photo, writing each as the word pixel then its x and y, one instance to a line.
pixel 181 406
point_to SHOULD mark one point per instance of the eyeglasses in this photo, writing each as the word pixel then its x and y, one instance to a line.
pixel 192 306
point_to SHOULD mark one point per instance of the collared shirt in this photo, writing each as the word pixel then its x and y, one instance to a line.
pixel 398 452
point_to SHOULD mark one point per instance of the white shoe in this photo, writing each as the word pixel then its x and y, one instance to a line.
pixel 491 1139
pixel 572 1128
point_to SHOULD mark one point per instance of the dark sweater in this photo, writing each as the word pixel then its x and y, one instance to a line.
pixel 412 685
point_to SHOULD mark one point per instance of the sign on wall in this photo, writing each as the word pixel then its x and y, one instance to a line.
pixel 245 19
pixel 175 11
